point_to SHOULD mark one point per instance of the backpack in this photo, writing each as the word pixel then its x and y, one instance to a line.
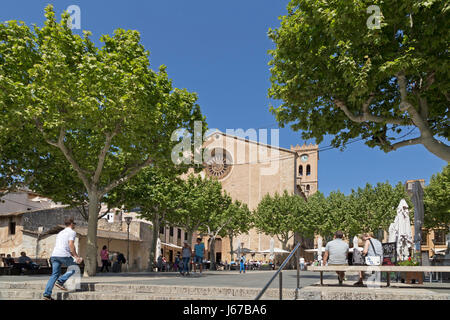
pixel 358 259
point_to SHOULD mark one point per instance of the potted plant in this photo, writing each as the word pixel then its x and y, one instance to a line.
pixel 410 277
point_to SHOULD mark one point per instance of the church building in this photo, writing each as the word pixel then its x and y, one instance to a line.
pixel 248 170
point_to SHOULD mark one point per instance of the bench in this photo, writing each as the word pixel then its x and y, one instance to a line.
pixel 15 269
pixel 386 269
pixel 44 267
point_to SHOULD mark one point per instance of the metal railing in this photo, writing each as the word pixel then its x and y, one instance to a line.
pixel 279 273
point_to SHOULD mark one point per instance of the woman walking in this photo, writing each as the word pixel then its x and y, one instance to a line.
pixel 186 253
pixel 104 255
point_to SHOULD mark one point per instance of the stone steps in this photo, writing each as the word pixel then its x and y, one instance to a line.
pixel 18 294
pixel 107 291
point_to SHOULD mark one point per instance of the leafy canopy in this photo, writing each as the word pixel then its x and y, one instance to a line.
pixel 94 116
pixel 336 76
pixel 437 200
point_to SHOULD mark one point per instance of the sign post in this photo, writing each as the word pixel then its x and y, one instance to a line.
pixel 417 199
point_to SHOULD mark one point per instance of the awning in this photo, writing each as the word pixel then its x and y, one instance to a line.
pixel 171 245
pixel 440 251
pixel 244 250
pixel 275 250
pixel 323 249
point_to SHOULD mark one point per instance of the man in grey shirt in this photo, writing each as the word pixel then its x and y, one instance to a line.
pixel 336 253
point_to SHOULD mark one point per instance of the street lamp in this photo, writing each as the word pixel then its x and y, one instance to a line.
pixel 128 221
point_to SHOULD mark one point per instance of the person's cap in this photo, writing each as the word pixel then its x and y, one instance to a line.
pixel 185 241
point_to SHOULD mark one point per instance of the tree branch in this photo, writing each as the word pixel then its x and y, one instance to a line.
pixel 41 129
pixel 366 115
pixel 103 152
pixel 405 105
pixel 66 151
pixel 69 156
pixel 104 214
pixel 125 178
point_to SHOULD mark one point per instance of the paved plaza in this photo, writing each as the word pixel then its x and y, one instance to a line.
pixel 218 285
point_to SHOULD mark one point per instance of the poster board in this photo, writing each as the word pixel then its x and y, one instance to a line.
pixel 390 251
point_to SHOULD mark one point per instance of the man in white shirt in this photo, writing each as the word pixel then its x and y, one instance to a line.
pixel 302 263
pixel 64 253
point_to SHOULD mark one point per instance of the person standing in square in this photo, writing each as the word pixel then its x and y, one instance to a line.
pixel 199 251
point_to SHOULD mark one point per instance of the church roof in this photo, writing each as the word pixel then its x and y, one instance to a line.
pixel 249 141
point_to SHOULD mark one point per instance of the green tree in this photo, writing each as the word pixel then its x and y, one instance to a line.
pixel 336 76
pixel 102 109
pixel 219 217
pixel 230 219
pixel 154 191
pixel 315 208
pixel 198 201
pixel 241 222
pixel 437 200
pixel 374 208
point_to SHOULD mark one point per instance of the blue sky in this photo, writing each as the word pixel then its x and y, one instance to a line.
pixel 219 50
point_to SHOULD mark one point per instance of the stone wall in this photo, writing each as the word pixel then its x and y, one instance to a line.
pixel 51 218
pixel 10 243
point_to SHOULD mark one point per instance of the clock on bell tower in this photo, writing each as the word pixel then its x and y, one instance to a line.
pixel 307 160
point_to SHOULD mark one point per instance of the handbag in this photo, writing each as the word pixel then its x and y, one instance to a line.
pixel 373 260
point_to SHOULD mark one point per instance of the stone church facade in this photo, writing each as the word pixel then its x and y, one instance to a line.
pixel 248 170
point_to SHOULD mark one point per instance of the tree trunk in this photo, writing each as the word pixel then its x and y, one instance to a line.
pixel 91 248
pixel 212 253
pixel 284 243
pixel 231 248
pixel 154 242
pixel 189 239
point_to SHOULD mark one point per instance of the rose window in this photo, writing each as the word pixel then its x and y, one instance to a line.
pixel 219 164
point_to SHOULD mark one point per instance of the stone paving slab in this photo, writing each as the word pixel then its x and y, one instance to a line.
pixel 251 279
pixel 397 291
pixel 217 285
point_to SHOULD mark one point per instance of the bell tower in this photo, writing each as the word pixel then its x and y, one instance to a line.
pixel 307 161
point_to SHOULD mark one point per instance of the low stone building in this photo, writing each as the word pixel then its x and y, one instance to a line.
pixel 35 233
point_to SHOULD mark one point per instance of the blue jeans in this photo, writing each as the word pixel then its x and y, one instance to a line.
pixel 57 262
pixel 241 267
pixel 186 264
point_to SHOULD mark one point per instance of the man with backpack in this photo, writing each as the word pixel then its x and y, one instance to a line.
pixel 373 251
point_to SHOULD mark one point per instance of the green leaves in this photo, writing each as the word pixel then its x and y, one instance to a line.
pixel 437 200
pixel 325 53
pixel 366 209
pixel 87 118
pixel 278 215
